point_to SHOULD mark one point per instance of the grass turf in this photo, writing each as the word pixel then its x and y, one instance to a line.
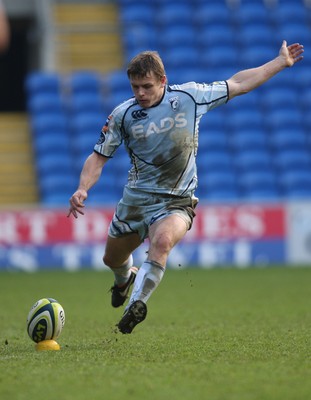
pixel 221 334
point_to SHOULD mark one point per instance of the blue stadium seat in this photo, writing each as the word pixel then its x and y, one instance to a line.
pixel 264 180
pixel 256 32
pixel 121 160
pixel 161 3
pixel 253 160
pixel 296 183
pixel 79 160
pixel 262 194
pixel 83 144
pixel 207 12
pixel 279 97
pixel 302 77
pixel 300 193
pixel 282 118
pixel 173 12
pixel 117 97
pixel 176 76
pixel 88 122
pixel 85 82
pixel 86 102
pixel 248 138
pixel 220 195
pixel 186 55
pixel 217 181
pixel 177 35
pixel 220 73
pixel 138 36
pixel 219 160
pixel 243 118
pixel 252 12
pixel 289 137
pixel 137 13
pixel 44 102
pixel 126 3
pixel 213 139
pixel 285 79
pixel 109 188
pixel 215 119
pixel 53 163
pixel 305 100
pixel 291 11
pixel 57 140
pixel 187 74
pixel 58 183
pixel 48 123
pixel 295 32
pixel 105 194
pixel 307 121
pixel 211 2
pixel 249 102
pixel 42 82
pixel 55 199
pixel 219 56
pixel 215 34
pixel 121 163
pixel 116 80
pixel 217 186
pixel 130 53
pixel 292 159
pixel 258 54
pixel 99 198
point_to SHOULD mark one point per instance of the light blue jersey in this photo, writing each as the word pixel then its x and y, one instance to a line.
pixel 162 141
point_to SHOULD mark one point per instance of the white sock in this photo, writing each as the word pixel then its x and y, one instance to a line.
pixel 147 280
pixel 123 272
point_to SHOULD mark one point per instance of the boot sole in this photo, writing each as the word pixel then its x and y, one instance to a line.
pixel 136 314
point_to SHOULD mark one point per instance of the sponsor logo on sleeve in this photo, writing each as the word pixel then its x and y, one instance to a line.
pixel 104 131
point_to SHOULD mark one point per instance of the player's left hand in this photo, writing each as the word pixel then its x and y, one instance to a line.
pixel 77 203
pixel 291 53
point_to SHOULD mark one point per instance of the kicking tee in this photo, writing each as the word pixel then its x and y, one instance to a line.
pixel 162 140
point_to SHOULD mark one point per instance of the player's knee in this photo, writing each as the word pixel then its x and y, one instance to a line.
pixel 113 262
pixel 163 243
pixel 107 260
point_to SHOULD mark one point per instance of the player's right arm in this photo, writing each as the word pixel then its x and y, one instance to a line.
pixel 90 174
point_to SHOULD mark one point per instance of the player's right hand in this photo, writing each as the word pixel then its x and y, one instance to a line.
pixel 77 203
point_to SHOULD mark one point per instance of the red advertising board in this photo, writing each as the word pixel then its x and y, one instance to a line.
pixel 234 222
pixel 49 226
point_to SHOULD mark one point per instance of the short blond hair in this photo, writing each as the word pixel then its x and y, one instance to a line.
pixel 144 63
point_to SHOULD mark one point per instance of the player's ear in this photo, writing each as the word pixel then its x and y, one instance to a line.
pixel 163 80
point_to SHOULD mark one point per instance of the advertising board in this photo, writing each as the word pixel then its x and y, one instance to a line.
pixel 240 235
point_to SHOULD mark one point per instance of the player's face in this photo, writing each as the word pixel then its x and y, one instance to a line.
pixel 148 90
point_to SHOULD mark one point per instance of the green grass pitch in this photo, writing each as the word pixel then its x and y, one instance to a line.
pixel 220 334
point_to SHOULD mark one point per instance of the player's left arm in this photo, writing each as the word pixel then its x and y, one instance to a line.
pixel 249 79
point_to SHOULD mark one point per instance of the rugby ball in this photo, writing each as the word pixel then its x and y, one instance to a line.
pixel 45 320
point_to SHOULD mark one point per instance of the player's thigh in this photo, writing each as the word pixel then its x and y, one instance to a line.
pixel 118 250
pixel 167 231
